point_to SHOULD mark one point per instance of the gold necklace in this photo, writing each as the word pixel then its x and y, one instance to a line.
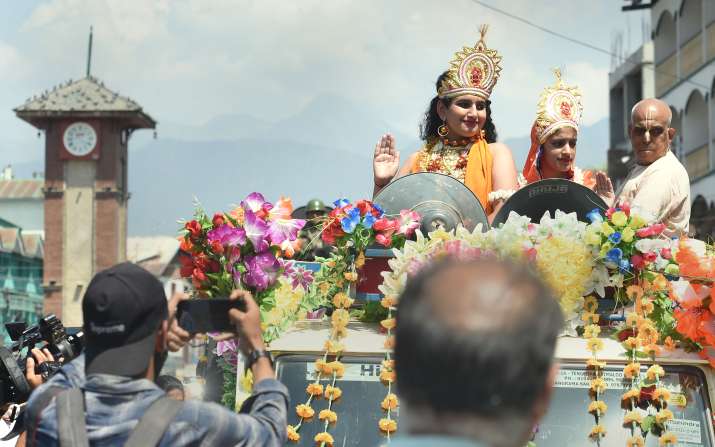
pixel 450 160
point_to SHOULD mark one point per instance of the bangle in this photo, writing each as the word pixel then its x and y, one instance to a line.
pixel 500 194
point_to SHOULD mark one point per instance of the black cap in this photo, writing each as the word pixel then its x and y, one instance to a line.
pixel 123 308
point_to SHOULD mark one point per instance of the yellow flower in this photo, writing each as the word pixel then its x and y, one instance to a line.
pixel 389 301
pixel 646 306
pixel 631 417
pixel 350 276
pixel 334 347
pixel 592 236
pixel 387 425
pixel 333 392
pixel 390 342
pixel 598 431
pixel 341 300
pixel 340 318
pixel 629 395
pixel 632 370
pixel 598 385
pixel 598 407
pixel 595 363
pixel 589 317
pixel 388 364
pixel 388 323
pixel 337 368
pixel 304 411
pixel 634 292
pixel 606 229
pixel 324 437
pixel 664 415
pixel 669 343
pixel 390 402
pixel 632 343
pixel 661 394
pixel 591 331
pixel 659 283
pixel 339 332
pixel 246 381
pixel 328 415
pixel 636 222
pixel 627 234
pixel 590 304
pixel 387 375
pixel 635 441
pixel 314 389
pixel 655 372
pixel 632 319
pixel 322 366
pixel 619 219
pixel 667 438
pixel 324 287
pixel 594 344
pixel 360 260
pixel 652 350
pixel 293 435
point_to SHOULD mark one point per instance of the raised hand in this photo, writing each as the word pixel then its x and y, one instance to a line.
pixel 385 161
pixel 604 188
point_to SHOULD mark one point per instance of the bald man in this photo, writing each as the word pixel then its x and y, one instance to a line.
pixel 474 362
pixel 658 187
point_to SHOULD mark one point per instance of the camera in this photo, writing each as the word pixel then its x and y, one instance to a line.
pixel 50 331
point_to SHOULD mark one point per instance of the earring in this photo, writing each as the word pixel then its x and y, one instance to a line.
pixel 443 130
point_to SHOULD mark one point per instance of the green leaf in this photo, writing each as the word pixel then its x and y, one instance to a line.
pixel 647 423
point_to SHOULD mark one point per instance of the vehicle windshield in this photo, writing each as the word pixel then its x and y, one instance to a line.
pixel 567 422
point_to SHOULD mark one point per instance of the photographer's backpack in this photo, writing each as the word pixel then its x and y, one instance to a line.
pixel 148 432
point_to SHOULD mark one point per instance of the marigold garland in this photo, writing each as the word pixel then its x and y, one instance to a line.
pixel 387 371
pixel 591 330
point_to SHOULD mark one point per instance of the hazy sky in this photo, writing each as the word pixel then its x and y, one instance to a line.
pixel 187 61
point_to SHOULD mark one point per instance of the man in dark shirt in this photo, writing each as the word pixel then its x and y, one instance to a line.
pixel 126 326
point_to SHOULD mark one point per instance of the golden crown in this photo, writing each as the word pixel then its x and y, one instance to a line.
pixel 559 106
pixel 473 71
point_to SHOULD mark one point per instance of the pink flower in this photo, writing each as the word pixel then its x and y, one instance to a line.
pixel 610 212
pixel 666 253
pixel 384 239
pixel 409 221
pixel 658 228
pixel 626 208
pixel 645 232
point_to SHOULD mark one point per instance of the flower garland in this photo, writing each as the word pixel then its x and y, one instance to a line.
pixel 597 407
pixel 351 228
pixel 387 372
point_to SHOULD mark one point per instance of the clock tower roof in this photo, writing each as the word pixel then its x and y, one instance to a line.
pixel 83 98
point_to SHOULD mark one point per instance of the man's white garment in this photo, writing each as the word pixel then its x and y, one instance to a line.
pixel 659 192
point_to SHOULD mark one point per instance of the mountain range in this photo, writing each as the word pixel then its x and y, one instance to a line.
pixel 323 151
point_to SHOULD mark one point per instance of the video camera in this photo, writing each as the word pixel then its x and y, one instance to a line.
pixel 13 384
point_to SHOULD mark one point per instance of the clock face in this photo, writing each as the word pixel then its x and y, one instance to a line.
pixel 79 139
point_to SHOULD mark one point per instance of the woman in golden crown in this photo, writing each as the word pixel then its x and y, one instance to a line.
pixel 458 131
pixel 554 136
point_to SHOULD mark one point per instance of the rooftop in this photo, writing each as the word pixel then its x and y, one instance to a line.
pixel 86 96
pixel 154 253
pixel 21 189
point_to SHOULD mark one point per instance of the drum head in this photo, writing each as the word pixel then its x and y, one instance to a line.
pixel 441 200
pixel 535 199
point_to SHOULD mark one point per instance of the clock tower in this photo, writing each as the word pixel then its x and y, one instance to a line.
pixel 87 129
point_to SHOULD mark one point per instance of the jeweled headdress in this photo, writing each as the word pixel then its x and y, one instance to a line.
pixel 473 71
pixel 559 106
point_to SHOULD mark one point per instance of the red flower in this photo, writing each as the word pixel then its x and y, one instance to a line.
pixel 194 229
pixel 658 228
pixel 214 266
pixel 645 232
pixel 638 262
pixel 199 275
pixel 385 224
pixel 201 261
pixel 624 334
pixel 650 257
pixel 666 253
pixel 216 247
pixel 626 208
pixel 384 239
pixel 187 266
pixel 647 393
pixel 365 206
pixel 218 220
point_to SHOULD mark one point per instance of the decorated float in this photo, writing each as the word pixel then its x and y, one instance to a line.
pixel 637 352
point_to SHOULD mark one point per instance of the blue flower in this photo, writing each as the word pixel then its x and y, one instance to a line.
pixel 368 220
pixel 615 237
pixel 624 265
pixel 350 221
pixel 341 202
pixel 595 216
pixel 614 255
pixel 379 209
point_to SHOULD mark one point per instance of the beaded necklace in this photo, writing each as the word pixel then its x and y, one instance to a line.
pixel 445 159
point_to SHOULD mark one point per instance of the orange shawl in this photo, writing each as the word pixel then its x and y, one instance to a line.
pixel 531 172
pixel 478 176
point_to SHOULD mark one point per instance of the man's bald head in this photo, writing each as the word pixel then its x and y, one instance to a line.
pixel 650 131
pixel 475 338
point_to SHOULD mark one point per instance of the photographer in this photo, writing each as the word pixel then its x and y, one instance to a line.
pixel 126 325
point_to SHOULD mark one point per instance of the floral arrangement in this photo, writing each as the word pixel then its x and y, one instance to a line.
pixel 246 248
pixel 351 228
pixel 667 282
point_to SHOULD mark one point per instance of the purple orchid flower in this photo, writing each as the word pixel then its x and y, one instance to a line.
pixel 227 235
pixel 233 257
pixel 280 230
pixel 261 270
pixel 301 277
pixel 226 346
pixel 253 202
pixel 256 229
